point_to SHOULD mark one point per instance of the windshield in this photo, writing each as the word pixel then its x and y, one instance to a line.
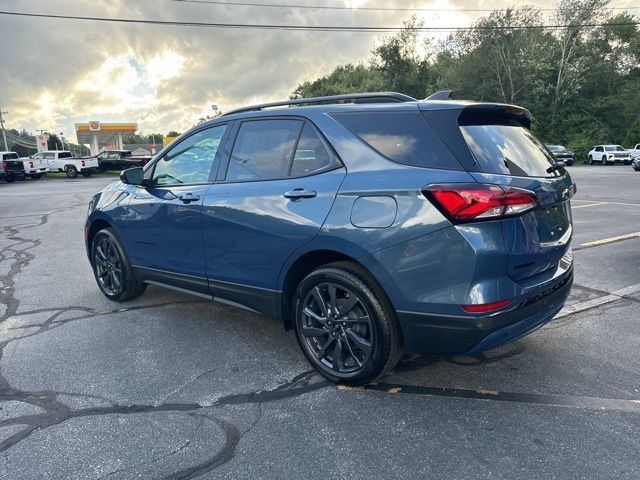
pixel 614 148
pixel 556 148
pixel 509 150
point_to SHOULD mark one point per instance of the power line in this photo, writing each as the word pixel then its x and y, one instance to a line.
pixel 309 28
pixel 369 9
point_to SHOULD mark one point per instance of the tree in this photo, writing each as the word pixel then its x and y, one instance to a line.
pixel 54 143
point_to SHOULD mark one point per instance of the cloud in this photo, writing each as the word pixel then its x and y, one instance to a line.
pixel 54 73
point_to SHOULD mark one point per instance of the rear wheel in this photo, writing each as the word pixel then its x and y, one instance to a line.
pixel 10 178
pixel 112 269
pixel 71 171
pixel 590 160
pixel 345 324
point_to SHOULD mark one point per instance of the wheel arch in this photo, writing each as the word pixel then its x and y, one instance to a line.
pixel 96 225
pixel 300 268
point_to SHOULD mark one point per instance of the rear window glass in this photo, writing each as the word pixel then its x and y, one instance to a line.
pixel 64 155
pixel 404 137
pixel 509 150
pixel 10 156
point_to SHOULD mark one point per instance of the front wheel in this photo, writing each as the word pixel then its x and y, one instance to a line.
pixel 345 324
pixel 112 269
pixel 604 160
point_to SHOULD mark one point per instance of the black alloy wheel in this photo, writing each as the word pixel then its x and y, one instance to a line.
pixel 337 328
pixel 72 172
pixel 346 325
pixel 108 267
pixel 113 271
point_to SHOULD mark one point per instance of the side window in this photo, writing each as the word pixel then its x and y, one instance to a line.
pixel 50 156
pixel 310 156
pixel 191 160
pixel 402 136
pixel 38 156
pixel 263 150
pixel 598 149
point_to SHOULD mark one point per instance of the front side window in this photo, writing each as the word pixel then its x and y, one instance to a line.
pixel 50 156
pixel 191 161
pixel 263 150
pixel 38 156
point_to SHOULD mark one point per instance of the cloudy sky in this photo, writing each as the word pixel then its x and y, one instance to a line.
pixel 55 72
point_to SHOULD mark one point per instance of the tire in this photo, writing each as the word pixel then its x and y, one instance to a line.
pixel 71 171
pixel 351 336
pixel 590 160
pixel 637 169
pixel 10 178
pixel 109 260
pixel 604 161
pixel 86 174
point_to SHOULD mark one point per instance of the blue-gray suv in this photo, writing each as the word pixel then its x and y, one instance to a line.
pixel 370 224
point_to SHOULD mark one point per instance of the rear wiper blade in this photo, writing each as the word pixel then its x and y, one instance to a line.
pixel 556 166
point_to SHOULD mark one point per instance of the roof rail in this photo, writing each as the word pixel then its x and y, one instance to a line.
pixel 377 97
pixel 441 95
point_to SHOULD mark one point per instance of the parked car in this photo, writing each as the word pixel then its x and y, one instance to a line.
pixel 609 154
pixel 635 151
pixel 63 161
pixel 561 153
pixel 35 166
pixel 12 168
pixel 371 228
pixel 636 163
pixel 120 160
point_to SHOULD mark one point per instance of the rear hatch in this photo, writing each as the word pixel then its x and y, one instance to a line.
pixel 501 150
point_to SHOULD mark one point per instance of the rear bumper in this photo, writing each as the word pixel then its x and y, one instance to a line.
pixel 443 334
pixel 90 169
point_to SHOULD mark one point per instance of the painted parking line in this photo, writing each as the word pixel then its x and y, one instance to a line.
pixel 605 241
pixel 596 302
pixel 589 205
pixel 590 403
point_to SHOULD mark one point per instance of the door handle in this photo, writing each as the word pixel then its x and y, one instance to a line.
pixel 189 197
pixel 299 193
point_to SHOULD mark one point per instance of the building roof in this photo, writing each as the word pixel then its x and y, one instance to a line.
pixel 107 133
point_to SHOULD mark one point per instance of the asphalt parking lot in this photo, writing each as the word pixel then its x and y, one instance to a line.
pixel 170 386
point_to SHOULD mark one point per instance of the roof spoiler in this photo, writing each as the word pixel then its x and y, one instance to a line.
pixel 441 95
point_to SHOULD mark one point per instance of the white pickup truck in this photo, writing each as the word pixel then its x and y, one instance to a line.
pixel 35 166
pixel 635 151
pixel 63 161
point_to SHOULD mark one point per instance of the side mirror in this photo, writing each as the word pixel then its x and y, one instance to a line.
pixel 132 176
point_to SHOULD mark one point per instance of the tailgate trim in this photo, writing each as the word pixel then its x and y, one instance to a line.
pixel 561 241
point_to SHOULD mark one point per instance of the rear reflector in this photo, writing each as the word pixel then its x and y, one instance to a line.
pixel 30 164
pixel 82 163
pixel 486 307
pixel 470 202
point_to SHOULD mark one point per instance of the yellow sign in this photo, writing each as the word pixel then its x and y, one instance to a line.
pixel 167 140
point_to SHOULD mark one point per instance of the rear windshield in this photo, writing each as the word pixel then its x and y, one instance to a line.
pixel 403 137
pixel 509 150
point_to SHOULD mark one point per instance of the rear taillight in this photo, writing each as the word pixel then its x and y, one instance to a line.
pixel 486 307
pixel 30 164
pixel 5 165
pixel 82 163
pixel 470 202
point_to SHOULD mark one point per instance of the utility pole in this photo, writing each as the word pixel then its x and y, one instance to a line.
pixel 4 136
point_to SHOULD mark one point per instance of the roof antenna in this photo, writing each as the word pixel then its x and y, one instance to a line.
pixel 441 95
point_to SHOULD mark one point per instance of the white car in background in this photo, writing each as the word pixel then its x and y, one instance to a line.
pixel 635 151
pixel 609 154
pixel 35 166
pixel 63 161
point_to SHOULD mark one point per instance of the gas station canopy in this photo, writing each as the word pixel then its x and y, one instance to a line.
pixel 103 135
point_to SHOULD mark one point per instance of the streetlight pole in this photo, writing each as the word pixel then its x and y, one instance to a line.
pixel 4 136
